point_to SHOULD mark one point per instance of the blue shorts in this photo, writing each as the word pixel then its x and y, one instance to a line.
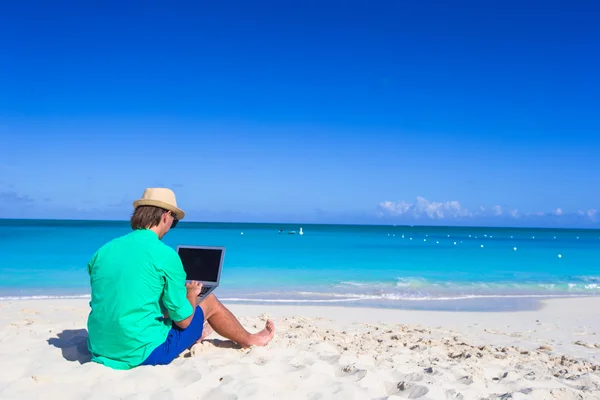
pixel 177 341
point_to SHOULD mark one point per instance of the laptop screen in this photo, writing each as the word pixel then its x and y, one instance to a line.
pixel 201 264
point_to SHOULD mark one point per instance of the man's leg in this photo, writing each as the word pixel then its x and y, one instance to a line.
pixel 227 325
pixel 206 331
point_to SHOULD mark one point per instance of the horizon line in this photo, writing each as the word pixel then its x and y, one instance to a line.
pixel 596 228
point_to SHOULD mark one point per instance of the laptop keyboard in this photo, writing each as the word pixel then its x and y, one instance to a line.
pixel 204 290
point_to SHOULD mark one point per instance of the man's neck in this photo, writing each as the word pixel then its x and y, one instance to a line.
pixel 156 230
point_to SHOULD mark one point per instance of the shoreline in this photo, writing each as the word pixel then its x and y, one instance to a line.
pixel 468 304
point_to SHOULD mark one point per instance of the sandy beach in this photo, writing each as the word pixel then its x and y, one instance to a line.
pixel 321 353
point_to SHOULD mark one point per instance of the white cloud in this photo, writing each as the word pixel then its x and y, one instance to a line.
pixel 424 208
pixel 591 214
pixel 439 210
pixel 497 210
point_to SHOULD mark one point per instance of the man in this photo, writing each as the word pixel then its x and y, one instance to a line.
pixel 142 310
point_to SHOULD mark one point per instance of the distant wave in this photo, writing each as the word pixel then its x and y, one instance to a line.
pixel 359 298
pixel 591 279
pixel 574 285
pixel 405 297
pixel 324 297
pixel 421 290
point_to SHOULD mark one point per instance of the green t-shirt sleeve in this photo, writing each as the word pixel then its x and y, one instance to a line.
pixel 91 263
pixel 174 293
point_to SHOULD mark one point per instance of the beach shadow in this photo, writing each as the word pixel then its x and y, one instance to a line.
pixel 223 344
pixel 73 344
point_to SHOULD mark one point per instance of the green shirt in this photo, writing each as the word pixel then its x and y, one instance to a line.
pixel 134 279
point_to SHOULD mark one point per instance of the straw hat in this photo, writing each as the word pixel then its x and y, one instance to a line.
pixel 160 197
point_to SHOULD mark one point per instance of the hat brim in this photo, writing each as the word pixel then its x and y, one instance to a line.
pixel 161 204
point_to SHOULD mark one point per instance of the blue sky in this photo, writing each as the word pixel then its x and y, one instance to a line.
pixel 391 112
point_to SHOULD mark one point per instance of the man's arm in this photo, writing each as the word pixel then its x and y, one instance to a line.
pixel 193 290
pixel 179 299
pixel 193 302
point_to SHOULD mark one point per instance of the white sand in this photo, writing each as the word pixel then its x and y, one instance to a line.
pixel 321 353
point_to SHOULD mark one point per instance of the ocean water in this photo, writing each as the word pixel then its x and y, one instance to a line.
pixel 382 266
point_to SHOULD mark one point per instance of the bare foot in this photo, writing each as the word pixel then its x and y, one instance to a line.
pixel 206 331
pixel 263 337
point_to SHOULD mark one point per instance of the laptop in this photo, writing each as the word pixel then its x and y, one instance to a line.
pixel 202 264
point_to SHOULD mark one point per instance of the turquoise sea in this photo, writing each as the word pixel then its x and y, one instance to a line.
pixel 383 266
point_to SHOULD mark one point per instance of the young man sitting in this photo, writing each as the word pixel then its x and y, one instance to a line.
pixel 142 310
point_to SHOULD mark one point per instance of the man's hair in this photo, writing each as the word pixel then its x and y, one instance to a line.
pixel 145 217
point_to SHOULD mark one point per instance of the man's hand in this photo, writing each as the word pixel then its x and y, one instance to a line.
pixel 193 290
